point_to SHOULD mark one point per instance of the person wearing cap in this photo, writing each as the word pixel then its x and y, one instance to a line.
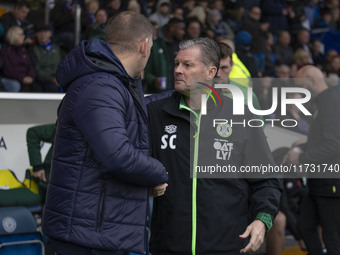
pixel 46 56
pixel 243 41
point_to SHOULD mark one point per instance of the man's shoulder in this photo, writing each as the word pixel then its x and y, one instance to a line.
pixel 160 98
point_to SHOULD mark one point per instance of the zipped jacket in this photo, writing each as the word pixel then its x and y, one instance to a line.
pixel 323 144
pixel 201 213
pixel 97 195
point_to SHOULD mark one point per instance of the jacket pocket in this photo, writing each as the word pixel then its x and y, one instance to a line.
pixel 101 207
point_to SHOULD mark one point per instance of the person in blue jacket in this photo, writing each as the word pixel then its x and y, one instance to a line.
pixel 101 169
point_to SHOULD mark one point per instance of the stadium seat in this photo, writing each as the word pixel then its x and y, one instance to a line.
pixel 18 232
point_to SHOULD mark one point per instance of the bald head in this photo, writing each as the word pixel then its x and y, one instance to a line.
pixel 228 42
pixel 311 78
pixel 125 31
pixel 309 71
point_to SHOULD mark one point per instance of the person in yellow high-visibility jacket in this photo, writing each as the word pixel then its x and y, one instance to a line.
pixel 239 73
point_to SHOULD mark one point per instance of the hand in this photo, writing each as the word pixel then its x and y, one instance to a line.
pixel 256 230
pixel 28 41
pixel 27 80
pixel 302 245
pixel 265 26
pixel 40 175
pixel 55 81
pixel 158 83
pixel 292 156
pixel 158 190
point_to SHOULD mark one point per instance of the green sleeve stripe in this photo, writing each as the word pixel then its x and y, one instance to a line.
pixel 266 218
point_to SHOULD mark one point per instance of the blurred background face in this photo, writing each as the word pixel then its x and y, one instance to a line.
pixel 178 13
pixel 164 9
pixel 101 16
pixel 284 38
pixel 335 64
pixel 316 46
pixel 303 37
pixel 194 30
pixel 218 4
pixel 178 31
pixel 92 7
pixel 21 13
pixel 255 13
pixel 215 18
pixel 331 54
pixel 115 4
pixel 283 72
pixel 43 36
pixel 19 37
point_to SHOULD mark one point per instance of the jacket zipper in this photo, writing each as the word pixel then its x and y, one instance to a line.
pixel 101 207
pixel 194 187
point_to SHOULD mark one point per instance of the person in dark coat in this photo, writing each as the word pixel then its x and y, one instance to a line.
pixel 322 204
pixel 101 169
pixel 18 18
pixel 17 64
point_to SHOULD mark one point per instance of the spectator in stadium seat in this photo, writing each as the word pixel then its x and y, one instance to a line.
pixel 177 12
pixel 46 56
pixel 283 51
pixel 17 64
pixel 174 33
pixel 92 7
pixel 318 56
pixel 97 29
pixel 275 13
pixel 301 58
pixel 303 42
pixel 162 14
pixel 258 32
pixel 113 8
pixel 243 41
pixel 220 27
pixel 193 28
pixel 63 20
pixel 18 18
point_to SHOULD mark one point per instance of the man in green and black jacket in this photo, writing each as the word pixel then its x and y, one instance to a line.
pixel 203 213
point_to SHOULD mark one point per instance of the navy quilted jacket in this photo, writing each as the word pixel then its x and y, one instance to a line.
pixel 97 196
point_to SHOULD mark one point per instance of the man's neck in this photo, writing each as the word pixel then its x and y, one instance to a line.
pixel 193 102
pixel 128 63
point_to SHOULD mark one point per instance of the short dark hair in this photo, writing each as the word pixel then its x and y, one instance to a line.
pixel 174 21
pixel 226 50
pixel 125 30
pixel 210 52
pixel 20 4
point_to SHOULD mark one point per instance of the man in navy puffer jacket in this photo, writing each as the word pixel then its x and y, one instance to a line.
pixel 97 197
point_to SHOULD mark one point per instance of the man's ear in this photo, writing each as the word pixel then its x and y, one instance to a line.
pixel 143 47
pixel 212 72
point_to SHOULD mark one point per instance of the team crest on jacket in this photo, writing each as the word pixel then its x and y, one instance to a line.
pixel 170 129
pixel 168 140
pixel 224 130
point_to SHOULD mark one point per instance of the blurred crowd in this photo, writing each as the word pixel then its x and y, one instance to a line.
pixel 272 38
